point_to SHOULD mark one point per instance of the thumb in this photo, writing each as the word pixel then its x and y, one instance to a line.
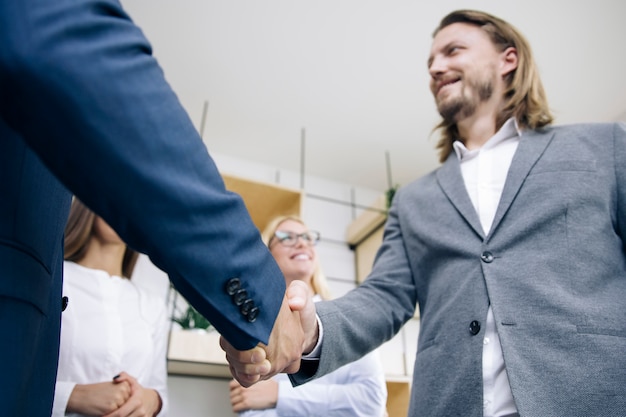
pixel 300 298
pixel 298 295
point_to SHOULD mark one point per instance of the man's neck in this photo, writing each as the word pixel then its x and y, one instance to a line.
pixel 478 128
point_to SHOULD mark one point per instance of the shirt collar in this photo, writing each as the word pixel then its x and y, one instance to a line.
pixel 509 130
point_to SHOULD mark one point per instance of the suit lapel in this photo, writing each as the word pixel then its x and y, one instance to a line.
pixel 531 146
pixel 451 182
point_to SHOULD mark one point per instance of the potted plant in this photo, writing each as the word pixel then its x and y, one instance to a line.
pixel 196 340
pixel 191 318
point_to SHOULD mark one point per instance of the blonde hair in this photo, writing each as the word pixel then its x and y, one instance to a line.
pixel 525 98
pixel 318 280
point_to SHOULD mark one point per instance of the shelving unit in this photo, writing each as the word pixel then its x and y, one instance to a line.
pixel 365 234
pixel 265 201
pixel 194 368
pixel 197 353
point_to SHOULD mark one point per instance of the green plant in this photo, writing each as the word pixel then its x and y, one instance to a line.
pixel 390 193
pixel 192 319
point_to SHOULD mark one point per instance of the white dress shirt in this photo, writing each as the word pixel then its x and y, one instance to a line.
pixel 357 389
pixel 484 172
pixel 109 326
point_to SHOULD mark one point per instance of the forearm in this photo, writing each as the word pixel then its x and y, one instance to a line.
pixel 154 402
pixel 98 126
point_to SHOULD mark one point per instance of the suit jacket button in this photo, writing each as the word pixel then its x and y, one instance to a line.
pixel 64 302
pixel 240 296
pixel 246 307
pixel 252 314
pixel 486 257
pixel 474 327
pixel 232 285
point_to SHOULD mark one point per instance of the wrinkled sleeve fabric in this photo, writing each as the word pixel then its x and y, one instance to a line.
pixel 619 137
pixel 81 87
pixel 388 295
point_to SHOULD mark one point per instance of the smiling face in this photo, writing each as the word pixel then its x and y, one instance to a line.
pixel 296 262
pixel 466 71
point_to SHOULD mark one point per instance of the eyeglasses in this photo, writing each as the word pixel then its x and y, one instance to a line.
pixel 291 239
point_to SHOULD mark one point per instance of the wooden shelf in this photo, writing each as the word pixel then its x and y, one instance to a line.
pixel 367 223
pixel 186 368
pixel 398 397
pixel 365 234
pixel 198 354
pixel 265 201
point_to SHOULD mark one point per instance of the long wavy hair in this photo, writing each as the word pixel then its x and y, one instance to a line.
pixel 318 280
pixel 524 98
pixel 78 233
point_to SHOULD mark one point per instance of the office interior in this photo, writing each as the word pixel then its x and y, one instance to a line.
pixel 329 100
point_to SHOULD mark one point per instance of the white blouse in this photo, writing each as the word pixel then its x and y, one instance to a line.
pixel 357 389
pixel 109 326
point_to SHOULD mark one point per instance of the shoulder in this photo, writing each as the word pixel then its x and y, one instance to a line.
pixel 580 129
pixel 420 185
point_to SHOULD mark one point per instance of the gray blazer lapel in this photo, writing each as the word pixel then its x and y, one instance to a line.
pixel 451 182
pixel 531 146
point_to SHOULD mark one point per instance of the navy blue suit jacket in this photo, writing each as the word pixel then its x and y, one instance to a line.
pixel 85 107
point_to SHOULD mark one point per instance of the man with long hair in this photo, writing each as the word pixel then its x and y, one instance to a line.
pixel 513 248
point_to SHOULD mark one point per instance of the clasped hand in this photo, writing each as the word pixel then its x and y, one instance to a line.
pixel 295 331
pixel 122 397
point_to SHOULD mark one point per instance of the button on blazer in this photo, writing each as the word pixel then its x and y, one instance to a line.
pixel 553 268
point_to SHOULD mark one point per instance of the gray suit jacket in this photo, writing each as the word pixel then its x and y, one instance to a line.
pixel 553 268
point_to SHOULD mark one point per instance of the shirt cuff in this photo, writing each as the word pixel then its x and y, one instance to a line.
pixel 317 350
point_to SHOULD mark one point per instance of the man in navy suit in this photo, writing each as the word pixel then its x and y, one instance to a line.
pixel 85 109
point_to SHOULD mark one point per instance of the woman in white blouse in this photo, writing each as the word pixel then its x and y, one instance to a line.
pixel 356 389
pixel 112 355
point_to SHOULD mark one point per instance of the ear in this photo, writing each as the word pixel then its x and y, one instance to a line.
pixel 509 61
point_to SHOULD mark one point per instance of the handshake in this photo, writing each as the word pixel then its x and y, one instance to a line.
pixel 295 332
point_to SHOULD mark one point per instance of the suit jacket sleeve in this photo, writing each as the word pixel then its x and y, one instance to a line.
pixel 388 296
pixel 80 86
pixel 619 137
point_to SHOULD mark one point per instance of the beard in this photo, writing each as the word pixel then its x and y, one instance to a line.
pixel 464 105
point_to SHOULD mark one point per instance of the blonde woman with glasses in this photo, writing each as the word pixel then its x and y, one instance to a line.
pixel 356 389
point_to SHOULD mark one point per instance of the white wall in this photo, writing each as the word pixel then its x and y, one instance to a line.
pixel 208 397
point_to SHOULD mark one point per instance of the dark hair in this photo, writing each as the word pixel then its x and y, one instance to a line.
pixel 525 98
pixel 78 232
